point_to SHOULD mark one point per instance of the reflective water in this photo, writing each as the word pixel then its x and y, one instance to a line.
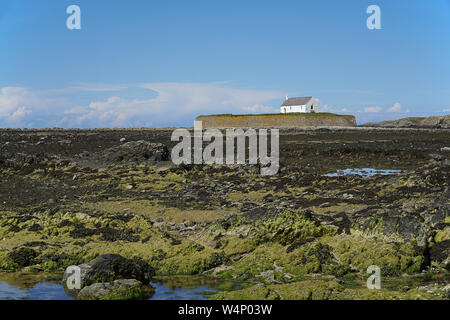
pixel 41 291
pixel 365 172
pixel 19 286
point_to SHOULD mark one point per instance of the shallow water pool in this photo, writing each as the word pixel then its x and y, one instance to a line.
pixel 38 287
pixel 365 172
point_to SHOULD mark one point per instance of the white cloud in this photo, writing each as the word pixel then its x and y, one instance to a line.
pixel 258 108
pixel 20 113
pixel 208 97
pixel 326 108
pixel 15 105
pixel 18 117
pixel 345 110
pixel 446 110
pixel 12 98
pixel 397 107
pixel 372 109
pixel 175 104
pixel 76 110
pixel 20 106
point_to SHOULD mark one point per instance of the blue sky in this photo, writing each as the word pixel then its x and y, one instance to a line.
pixel 160 63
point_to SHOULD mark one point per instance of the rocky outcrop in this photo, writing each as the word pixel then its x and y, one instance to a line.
pixel 414 122
pixel 19 160
pixel 132 152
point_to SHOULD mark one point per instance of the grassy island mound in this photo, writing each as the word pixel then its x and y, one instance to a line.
pixel 312 114
pixel 277 120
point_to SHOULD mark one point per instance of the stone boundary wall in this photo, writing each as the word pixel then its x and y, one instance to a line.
pixel 276 121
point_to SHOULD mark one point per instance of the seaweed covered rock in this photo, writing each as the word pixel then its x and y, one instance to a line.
pixel 132 152
pixel 359 252
pixel 323 290
pixel 313 257
pixel 287 227
pixel 440 254
pixel 109 267
pixel 23 257
pixel 126 289
pixel 302 290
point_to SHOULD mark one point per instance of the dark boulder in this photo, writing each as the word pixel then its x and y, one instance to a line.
pixel 23 256
pixel 110 267
pixel 137 151
pixel 440 253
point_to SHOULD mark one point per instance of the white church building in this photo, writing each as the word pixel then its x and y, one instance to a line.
pixel 301 104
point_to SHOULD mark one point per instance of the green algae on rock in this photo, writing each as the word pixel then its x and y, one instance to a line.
pixel 127 289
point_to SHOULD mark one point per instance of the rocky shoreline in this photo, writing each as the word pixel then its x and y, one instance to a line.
pixel 68 197
pixel 434 122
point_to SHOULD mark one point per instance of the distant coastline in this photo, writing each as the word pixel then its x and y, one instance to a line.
pixel 433 122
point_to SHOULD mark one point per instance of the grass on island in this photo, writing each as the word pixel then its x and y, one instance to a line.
pixel 312 114
pixel 414 118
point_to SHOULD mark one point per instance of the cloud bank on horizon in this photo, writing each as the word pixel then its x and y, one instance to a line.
pixel 173 104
